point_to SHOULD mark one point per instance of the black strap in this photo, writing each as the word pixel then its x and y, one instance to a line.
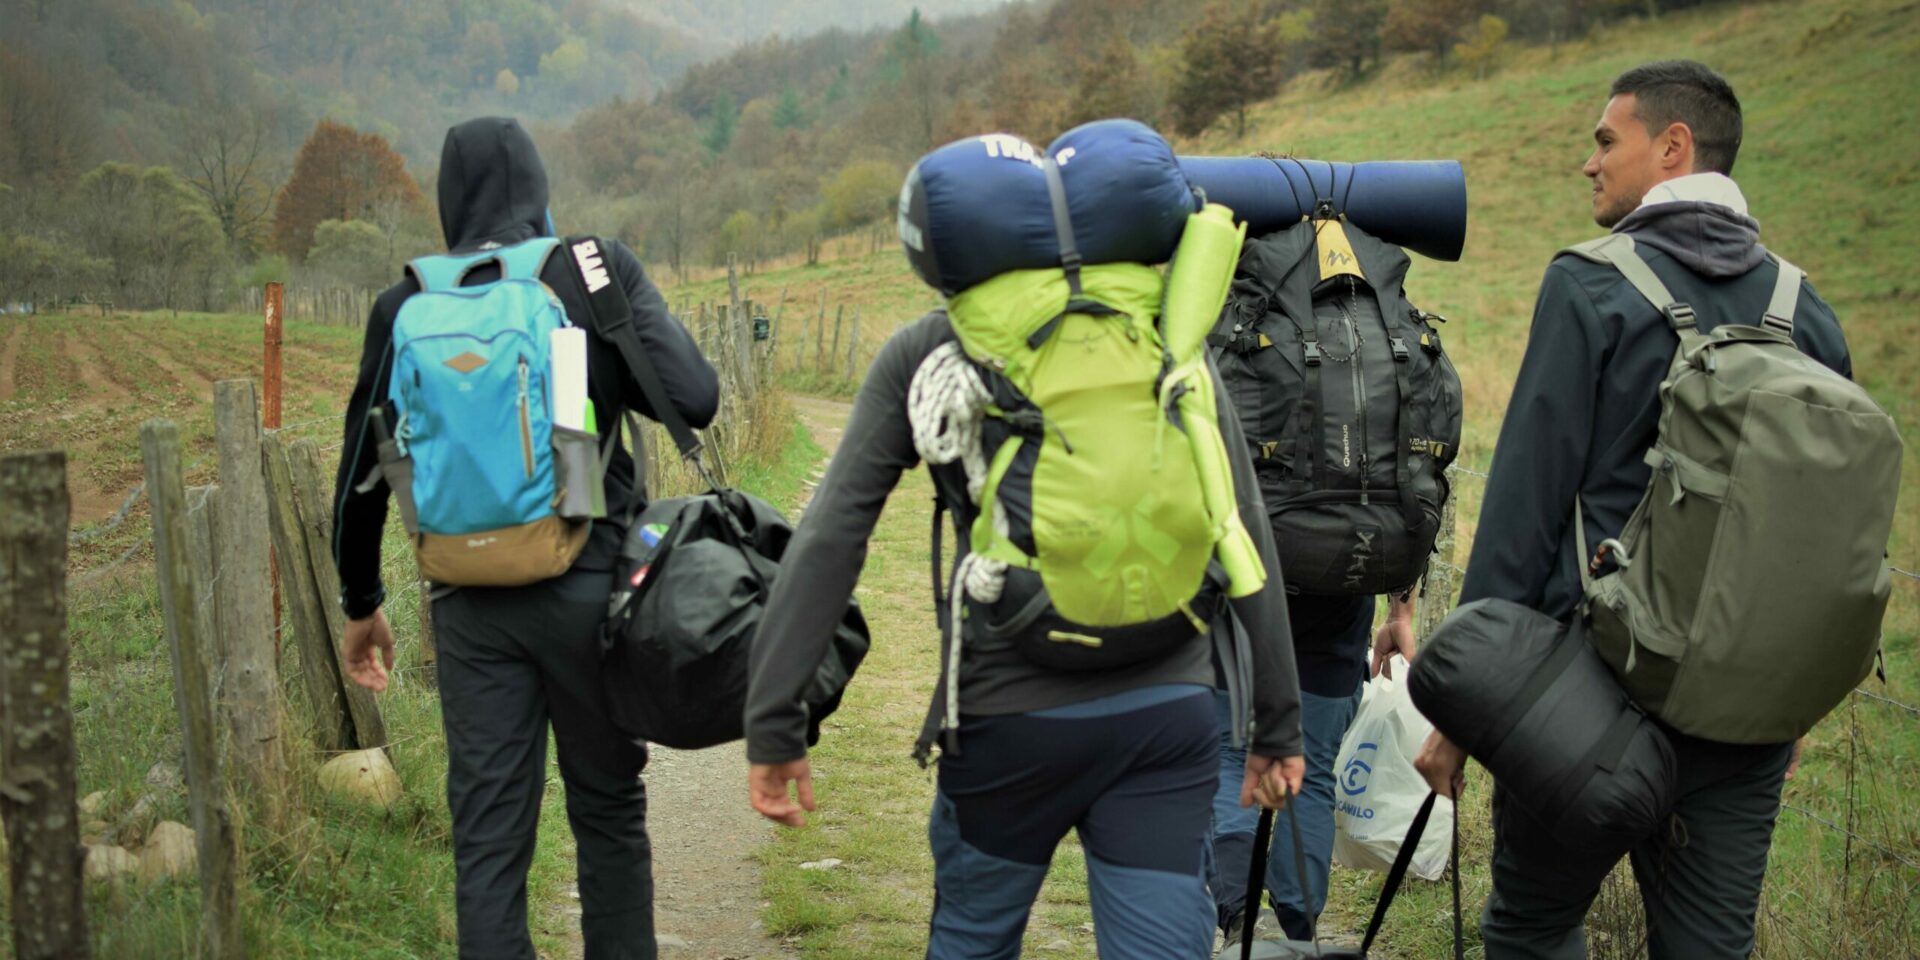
pixel 612 315
pixel 1453 867
pixel 939 593
pixel 1257 875
pixel 1399 873
pixel 1308 457
pixel 1063 225
pixel 1256 881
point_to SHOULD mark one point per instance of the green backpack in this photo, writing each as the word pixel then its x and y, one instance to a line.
pixel 1752 577
pixel 1090 442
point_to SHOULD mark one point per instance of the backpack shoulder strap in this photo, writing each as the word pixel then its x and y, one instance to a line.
pixel 1786 298
pixel 1616 250
pixel 444 271
pixel 525 261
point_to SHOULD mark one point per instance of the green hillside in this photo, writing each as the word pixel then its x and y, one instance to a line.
pixel 1829 167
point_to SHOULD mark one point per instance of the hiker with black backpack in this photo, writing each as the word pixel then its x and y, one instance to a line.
pixel 1352 412
pixel 469 410
pixel 1108 526
pixel 1683 402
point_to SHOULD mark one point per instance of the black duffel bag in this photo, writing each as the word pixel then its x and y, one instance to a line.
pixel 1528 697
pixel 693 581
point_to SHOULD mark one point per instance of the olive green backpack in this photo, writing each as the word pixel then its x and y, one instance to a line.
pixel 1752 577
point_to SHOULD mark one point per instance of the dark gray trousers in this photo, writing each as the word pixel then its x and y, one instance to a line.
pixel 1699 877
pixel 510 661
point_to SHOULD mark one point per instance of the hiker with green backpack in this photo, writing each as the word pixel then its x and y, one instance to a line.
pixel 1108 527
pixel 1685 398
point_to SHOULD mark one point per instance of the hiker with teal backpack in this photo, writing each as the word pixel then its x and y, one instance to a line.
pixel 1108 527
pixel 1684 399
pixel 470 412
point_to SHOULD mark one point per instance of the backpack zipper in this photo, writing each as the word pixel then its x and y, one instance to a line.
pixel 526 423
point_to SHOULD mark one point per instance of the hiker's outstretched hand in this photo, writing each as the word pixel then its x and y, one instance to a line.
pixel 767 788
pixel 367 649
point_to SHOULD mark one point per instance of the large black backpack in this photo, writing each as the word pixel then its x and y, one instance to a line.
pixel 1351 407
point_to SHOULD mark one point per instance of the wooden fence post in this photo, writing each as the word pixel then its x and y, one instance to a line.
pixel 839 312
pixel 1436 592
pixel 218 850
pixel 775 331
pixel 820 334
pixel 319 667
pixel 249 681
pixel 743 328
pixel 44 857
pixel 316 515
pixel 270 412
pixel 853 343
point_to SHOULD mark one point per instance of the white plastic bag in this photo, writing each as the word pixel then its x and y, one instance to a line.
pixel 1377 791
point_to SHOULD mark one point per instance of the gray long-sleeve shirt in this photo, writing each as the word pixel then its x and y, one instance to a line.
pixel 822 564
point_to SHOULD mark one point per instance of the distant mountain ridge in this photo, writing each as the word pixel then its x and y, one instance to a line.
pixel 735 22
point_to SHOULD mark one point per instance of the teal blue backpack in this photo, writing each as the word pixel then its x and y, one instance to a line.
pixel 479 469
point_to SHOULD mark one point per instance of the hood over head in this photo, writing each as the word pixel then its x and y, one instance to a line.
pixel 493 188
pixel 1700 220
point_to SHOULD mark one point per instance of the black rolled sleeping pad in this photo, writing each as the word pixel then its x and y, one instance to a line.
pixel 1528 697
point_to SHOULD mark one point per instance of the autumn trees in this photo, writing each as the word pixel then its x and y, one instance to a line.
pixel 341 174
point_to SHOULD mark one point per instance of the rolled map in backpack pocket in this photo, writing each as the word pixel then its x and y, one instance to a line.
pixel 580 494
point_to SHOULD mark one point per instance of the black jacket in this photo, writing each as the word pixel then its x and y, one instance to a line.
pixel 1585 406
pixel 493 192
pixel 823 562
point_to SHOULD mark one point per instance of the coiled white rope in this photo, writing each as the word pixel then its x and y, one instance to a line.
pixel 946 403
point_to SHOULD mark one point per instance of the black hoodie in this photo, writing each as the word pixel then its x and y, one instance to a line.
pixel 1586 402
pixel 493 192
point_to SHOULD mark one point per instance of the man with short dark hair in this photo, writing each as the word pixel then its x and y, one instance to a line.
pixel 1583 414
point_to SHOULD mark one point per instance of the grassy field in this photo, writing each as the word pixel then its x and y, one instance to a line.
pixel 1830 163
pixel 337 882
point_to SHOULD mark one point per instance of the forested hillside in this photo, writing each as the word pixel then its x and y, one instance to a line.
pixel 786 140
pixel 170 154
pixel 733 22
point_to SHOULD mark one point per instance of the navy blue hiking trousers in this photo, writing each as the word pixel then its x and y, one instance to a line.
pixel 1133 774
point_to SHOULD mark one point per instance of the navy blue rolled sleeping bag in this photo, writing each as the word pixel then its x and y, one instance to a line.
pixel 981 207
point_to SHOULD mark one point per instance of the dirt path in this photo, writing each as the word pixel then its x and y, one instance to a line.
pixel 706 876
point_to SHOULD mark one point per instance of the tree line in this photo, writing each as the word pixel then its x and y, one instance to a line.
pixel 765 152
pixel 769 149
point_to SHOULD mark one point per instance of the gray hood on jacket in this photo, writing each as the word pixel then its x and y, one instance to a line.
pixel 1708 238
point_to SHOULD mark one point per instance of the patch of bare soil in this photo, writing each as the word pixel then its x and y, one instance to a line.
pixel 10 354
